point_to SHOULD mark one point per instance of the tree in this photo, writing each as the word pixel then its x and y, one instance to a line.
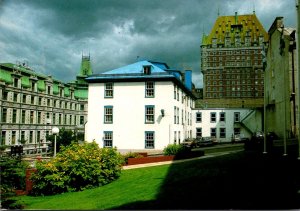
pixel 64 138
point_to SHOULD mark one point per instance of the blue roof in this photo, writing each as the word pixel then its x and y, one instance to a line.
pixel 137 68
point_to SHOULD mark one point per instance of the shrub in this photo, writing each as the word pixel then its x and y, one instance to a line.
pixel 77 167
pixel 175 149
pixel 12 174
pixel 131 155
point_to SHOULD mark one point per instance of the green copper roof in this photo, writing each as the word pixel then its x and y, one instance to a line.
pixel 41 85
pixel 67 91
pixel 81 93
pixel 55 89
pixel 25 82
pixel 204 39
pixel 5 76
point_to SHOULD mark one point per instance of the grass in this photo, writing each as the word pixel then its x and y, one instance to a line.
pixel 236 181
pixel 133 185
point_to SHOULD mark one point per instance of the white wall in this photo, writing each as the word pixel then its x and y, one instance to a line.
pixel 251 119
pixel 129 115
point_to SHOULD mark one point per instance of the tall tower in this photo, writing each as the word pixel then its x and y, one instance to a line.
pixel 85 69
pixel 231 59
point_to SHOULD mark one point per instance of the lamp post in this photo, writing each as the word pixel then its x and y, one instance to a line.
pixel 55 131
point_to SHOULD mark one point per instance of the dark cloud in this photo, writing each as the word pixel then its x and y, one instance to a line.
pixel 52 34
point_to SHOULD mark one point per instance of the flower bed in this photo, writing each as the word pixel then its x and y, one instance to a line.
pixel 153 159
pixel 134 161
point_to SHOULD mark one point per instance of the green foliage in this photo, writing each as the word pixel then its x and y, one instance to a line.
pixel 12 174
pixel 131 155
pixel 175 149
pixel 77 167
pixel 3 148
pixel 63 138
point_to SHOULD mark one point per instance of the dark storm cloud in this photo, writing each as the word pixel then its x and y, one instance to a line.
pixel 52 34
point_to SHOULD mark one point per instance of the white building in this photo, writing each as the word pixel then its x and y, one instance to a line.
pixel 223 123
pixel 143 106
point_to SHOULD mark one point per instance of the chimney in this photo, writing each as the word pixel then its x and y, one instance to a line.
pixel 188 79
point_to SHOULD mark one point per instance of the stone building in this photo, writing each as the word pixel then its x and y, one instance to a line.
pixel 32 103
pixel 281 81
pixel 232 62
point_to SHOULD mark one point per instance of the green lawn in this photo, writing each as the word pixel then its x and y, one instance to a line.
pixel 236 181
pixel 133 185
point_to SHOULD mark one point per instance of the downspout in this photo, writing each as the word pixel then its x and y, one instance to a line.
pixel 264 51
pixel 293 90
pixel 298 69
pixel 282 46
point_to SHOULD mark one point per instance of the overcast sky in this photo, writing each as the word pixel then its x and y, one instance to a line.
pixel 51 35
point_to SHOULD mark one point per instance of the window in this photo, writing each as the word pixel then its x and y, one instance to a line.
pixel 175 110
pixel 237 131
pixel 3 140
pixel 198 132
pixel 213 117
pixel 39 117
pixel 198 117
pixel 149 114
pixel 175 137
pixel 147 69
pixel 23 135
pixel 108 114
pixel 14 119
pixel 236 116
pixel 13 137
pixel 30 136
pixel 108 139
pixel 177 115
pixel 149 140
pixel 15 97
pixel 32 100
pixel 109 90
pixel 23 116
pixel 222 132
pixel 213 132
pixel 5 95
pixel 24 98
pixel 222 117
pixel 149 92
pixel 16 82
pixel 81 120
pixel 81 107
pixel 4 115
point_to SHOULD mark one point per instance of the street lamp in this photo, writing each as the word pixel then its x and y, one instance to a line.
pixel 55 131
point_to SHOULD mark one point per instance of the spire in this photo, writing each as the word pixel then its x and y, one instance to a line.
pixel 236 18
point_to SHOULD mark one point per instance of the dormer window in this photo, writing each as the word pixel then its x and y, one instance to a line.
pixel 147 69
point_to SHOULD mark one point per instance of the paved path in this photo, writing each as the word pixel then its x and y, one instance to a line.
pixel 180 161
